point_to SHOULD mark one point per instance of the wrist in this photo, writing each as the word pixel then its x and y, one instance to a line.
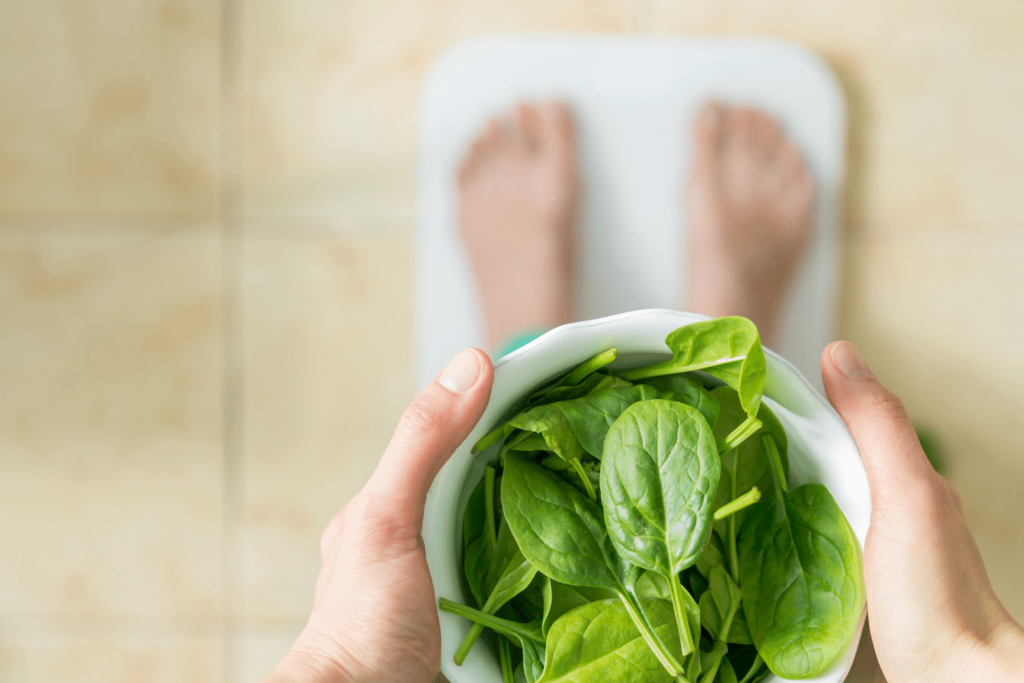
pixel 305 665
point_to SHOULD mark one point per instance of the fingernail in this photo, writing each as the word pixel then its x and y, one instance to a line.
pixel 461 372
pixel 848 360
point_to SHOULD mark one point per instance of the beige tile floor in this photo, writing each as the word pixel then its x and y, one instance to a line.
pixel 206 298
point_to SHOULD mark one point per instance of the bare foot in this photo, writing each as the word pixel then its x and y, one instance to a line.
pixel 750 202
pixel 517 196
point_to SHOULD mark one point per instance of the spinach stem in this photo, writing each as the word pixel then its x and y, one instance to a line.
pixel 650 637
pixel 489 439
pixel 754 668
pixel 722 642
pixel 734 559
pixel 776 462
pixel 505 653
pixel 737 504
pixel 589 367
pixel 492 532
pixel 505 627
pixel 578 466
pixel 476 629
pixel 682 623
pixel 739 435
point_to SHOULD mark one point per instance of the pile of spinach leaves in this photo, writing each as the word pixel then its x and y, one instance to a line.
pixel 637 525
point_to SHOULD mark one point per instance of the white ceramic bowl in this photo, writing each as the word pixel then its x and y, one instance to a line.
pixel 820 450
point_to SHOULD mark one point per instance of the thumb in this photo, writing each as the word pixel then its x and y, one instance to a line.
pixel 429 431
pixel 893 457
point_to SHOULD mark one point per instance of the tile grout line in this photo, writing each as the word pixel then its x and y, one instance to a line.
pixel 233 378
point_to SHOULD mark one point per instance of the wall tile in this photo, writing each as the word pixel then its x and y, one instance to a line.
pixel 110 107
pixel 328 358
pixel 88 658
pixel 330 91
pixel 110 423
pixel 932 110
pixel 936 314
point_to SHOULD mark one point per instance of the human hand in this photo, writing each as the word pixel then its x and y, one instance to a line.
pixel 374 615
pixel 934 616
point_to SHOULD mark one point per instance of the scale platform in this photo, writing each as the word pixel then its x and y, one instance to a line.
pixel 634 101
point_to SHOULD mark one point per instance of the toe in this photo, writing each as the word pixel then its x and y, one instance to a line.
pixel 707 131
pixel 767 135
pixel 556 128
pixel 797 183
pixel 531 126
pixel 479 151
pixel 741 128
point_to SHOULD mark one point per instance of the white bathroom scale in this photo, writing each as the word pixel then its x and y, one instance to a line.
pixel 634 101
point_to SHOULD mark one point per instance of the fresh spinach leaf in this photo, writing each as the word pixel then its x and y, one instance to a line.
pixel 555 433
pixel 751 461
pixel 478 549
pixel 686 389
pixel 598 642
pixel 713 555
pixel 577 382
pixel 565 598
pixel 658 480
pixel 727 348
pixel 654 586
pixel 746 466
pixel 606 382
pixel 722 593
pixel 800 574
pixel 591 416
pixel 509 575
pixel 562 533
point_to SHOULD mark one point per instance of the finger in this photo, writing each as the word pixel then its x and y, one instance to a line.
pixel 429 431
pixel 892 454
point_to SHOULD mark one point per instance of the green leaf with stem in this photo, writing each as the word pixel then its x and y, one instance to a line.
pixel 555 430
pixel 745 466
pixel 659 476
pixel 800 576
pixel 562 533
pixel 509 576
pixel 711 603
pixel 577 377
pixel 528 636
pixel 598 642
pixel 728 348
pixel 686 388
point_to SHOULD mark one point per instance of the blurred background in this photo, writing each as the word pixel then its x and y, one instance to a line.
pixel 206 214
